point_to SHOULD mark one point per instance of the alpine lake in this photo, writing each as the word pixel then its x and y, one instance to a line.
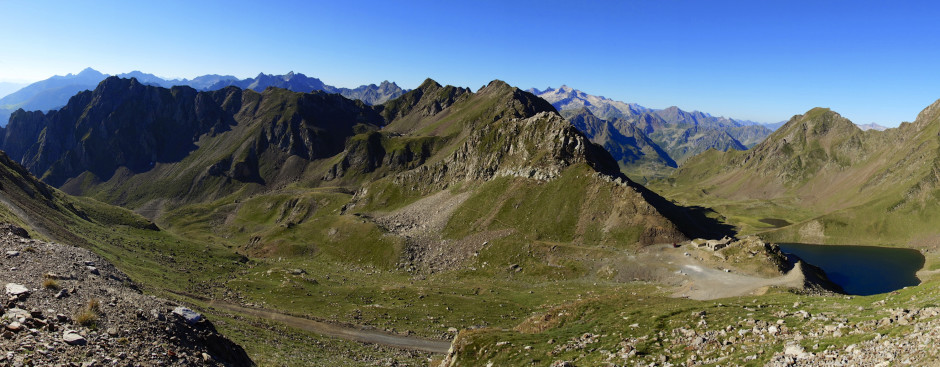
pixel 861 270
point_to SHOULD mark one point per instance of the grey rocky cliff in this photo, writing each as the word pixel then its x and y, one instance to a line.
pixel 539 147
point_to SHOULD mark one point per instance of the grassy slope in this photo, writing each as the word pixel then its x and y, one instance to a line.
pixel 858 187
pixel 344 280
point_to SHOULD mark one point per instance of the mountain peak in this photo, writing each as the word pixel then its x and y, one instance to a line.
pixel 818 111
pixel 85 74
pixel 584 111
pixel 820 121
pixel 115 81
pixel 496 83
pixel 928 114
pixel 872 126
pixel 428 83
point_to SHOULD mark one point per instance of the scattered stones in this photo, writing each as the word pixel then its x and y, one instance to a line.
pixel 157 315
pixel 795 350
pixel 60 327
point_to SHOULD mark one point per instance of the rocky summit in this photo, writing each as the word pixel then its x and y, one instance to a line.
pixel 65 305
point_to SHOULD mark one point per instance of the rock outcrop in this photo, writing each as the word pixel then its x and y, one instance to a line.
pixel 64 303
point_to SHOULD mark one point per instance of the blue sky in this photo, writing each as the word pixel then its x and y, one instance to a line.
pixel 759 60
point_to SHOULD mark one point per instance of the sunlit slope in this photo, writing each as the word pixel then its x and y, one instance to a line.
pixel 837 182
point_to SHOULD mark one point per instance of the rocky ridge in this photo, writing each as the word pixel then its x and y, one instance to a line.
pixel 638 156
pixel 67 306
pixel 680 133
pixel 125 130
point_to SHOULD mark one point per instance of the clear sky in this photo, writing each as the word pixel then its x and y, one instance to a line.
pixel 761 60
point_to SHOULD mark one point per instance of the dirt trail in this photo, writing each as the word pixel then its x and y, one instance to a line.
pixel 700 281
pixel 706 283
pixel 339 331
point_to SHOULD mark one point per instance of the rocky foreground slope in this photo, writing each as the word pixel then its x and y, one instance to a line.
pixel 812 331
pixel 66 306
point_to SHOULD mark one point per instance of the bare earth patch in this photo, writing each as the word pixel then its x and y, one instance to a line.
pixel 422 223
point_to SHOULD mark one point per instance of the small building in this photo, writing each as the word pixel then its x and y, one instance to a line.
pixel 716 245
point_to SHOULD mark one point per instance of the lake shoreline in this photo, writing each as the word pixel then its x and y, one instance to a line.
pixel 861 270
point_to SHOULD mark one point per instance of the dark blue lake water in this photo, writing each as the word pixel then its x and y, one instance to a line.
pixel 862 270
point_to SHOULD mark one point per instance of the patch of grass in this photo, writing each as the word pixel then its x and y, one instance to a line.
pixel 88 316
pixel 49 283
pixel 93 305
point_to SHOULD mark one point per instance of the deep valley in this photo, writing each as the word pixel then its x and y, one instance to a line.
pixel 453 227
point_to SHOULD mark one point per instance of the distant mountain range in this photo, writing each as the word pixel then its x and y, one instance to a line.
pixel 872 126
pixel 647 142
pixel 371 94
pixel 205 82
pixel 567 98
pixel 6 88
pixel 50 93
pixel 55 92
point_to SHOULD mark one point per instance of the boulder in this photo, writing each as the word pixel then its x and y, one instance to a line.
pixel 72 337
pixel 14 326
pixel 191 317
pixel 14 289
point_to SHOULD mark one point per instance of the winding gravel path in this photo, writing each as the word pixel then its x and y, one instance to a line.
pixel 340 331
pixel 354 333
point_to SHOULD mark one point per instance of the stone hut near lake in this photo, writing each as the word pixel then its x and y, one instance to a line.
pixel 714 245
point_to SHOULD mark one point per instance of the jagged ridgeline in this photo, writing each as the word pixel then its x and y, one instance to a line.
pixel 506 162
pixel 133 143
pixel 55 92
pixel 650 143
pixel 836 182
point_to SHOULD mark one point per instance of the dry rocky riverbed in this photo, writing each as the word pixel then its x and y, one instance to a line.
pixel 63 305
